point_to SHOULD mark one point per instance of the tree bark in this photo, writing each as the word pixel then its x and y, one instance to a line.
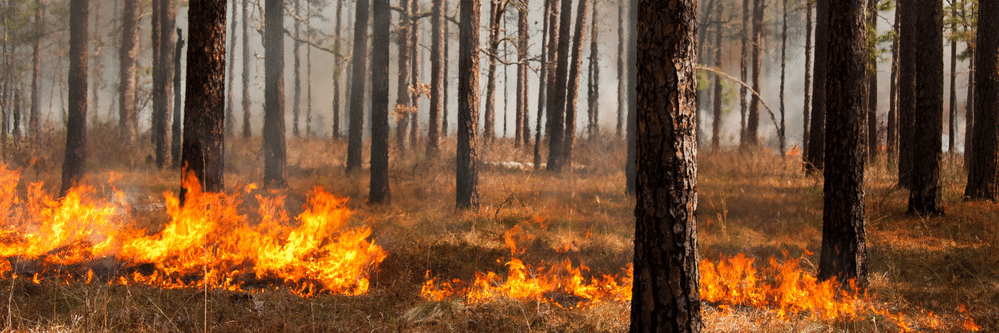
pixel 157 95
pixel 906 91
pixel 436 78
pixel 231 63
pixel 402 94
pixel 444 56
pixel 892 136
pixel 783 75
pixel 844 248
pixel 467 176
pixel 496 10
pixel 621 77
pixel 969 114
pixel 872 82
pixel 717 112
pixel 753 121
pixel 632 138
pixel 593 100
pixel 808 81
pixel 273 136
pixel 357 88
pixel 547 28
pixel 338 67
pixel 983 171
pixel 952 119
pixel 204 111
pixel 414 118
pixel 379 188
pixel 246 69
pixel 296 108
pixel 556 104
pixel 665 289
pixel 127 59
pixel 572 89
pixel 816 130
pixel 743 74
pixel 175 130
pixel 924 195
pixel 523 132
pixel 167 50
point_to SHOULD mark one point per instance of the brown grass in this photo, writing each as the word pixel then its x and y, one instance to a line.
pixel 758 203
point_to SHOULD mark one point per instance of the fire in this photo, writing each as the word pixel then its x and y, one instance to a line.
pixel 206 243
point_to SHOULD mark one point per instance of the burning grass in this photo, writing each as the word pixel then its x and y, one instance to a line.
pixel 546 252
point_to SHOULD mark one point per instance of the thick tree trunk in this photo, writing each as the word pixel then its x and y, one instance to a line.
pixel 924 195
pixel 246 69
pixel 906 91
pixel 556 104
pixel 157 95
pixel 127 116
pixel 717 114
pixel 273 136
pixel 34 127
pixel 402 94
pixel 467 176
pixel 572 89
pixel 379 190
pixel 665 289
pixel 753 121
pixel 872 83
pixel 808 81
pixel 983 171
pixel 844 247
pixel 817 128
pixel 204 111
pixel 357 88
pixel 231 64
pixel 178 108
pixel 436 78
pixel 632 138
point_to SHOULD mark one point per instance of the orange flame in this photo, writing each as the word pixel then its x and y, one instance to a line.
pixel 207 242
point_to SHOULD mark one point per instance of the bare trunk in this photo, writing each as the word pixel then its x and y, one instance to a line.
pixel 296 108
pixel 246 69
pixel 402 108
pixel 872 83
pixel 338 67
pixel 572 90
pixel 273 136
pixel 357 86
pixel 76 126
pixel 816 130
pixel 467 176
pixel 230 63
pixel 808 79
pixel 594 81
pixel 496 10
pixel 175 130
pixel 556 109
pixel 621 77
pixel 379 186
pixel 983 171
pixel 436 78
pixel 783 73
pixel 753 119
pixel 523 135
pixel 127 117
pixel 543 76
pixel 952 119
pixel 717 114
pixel 414 118
pixel 892 135
pixel 925 192
pixel 906 93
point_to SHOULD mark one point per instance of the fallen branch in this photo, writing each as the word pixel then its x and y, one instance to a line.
pixel 769 110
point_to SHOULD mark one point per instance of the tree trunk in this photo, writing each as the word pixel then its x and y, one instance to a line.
pixel 969 114
pixel 983 171
pixel 630 164
pixel 467 176
pixel 872 82
pixel 36 67
pixel 379 191
pixel 621 77
pixel 338 66
pixel 665 289
pixel 444 56
pixel 523 135
pixel 167 45
pixel 127 59
pixel 743 74
pixel 844 248
pixel 924 195
pixel 544 75
pixel 892 136
pixel 273 136
pixel 783 75
pixel 572 89
pixel 753 121
pixel 952 119
pixel 594 91
pixel 296 105
pixel 175 130
pixel 357 88
pixel 717 104
pixel 556 104
pixel 906 91
pixel 204 111
pixel 496 10
pixel 436 78
pixel 231 63
pixel 816 130
pixel 158 94
pixel 246 69
pixel 308 71
pixel 414 118
pixel 402 95
pixel 806 106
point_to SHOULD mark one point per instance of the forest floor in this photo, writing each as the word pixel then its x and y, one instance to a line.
pixel 926 273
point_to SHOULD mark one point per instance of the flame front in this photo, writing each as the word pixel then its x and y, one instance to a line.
pixel 206 243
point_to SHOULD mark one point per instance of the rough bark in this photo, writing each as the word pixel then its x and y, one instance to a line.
pixel 246 69
pixel 178 108
pixel 906 91
pixel 128 121
pixel 806 106
pixel 925 192
pixel 357 88
pixel 76 107
pixel 557 98
pixel 273 133
pixel 436 78
pixel 402 94
pixel 872 83
pixel 496 10
pixel 816 129
pixel 665 289
pixel 204 110
pixel 572 88
pixel 753 118
pixel 983 171
pixel 467 176
pixel 379 188
pixel 844 247
pixel 444 56
pixel 157 95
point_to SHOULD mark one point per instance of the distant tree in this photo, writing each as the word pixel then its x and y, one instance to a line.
pixel 296 108
pixel 572 86
pixel 892 137
pixel 246 69
pixel 783 76
pixel 523 132
pixel 76 105
pixel 753 119
pixel 497 8
pixel 357 88
pixel 444 57
pixel 906 90
pixel 178 108
pixel 666 269
pixel 231 63
pixel 414 64
pixel 951 120
pixel 717 114
pixel 467 176
pixel 808 79
pixel 844 248
pixel 402 95
pixel 872 80
pixel 338 67
pixel 925 192
pixel 556 97
pixel 630 164
pixel 379 189
pixel 127 59
pixel 437 52
pixel 621 77
pixel 816 130
pixel 204 109
pixel 273 135
pixel 969 114
pixel 744 74
pixel 548 47
pixel 983 171
pixel 593 93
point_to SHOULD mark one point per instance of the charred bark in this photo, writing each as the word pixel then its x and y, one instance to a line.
pixel 983 171
pixel 557 97
pixel 467 176
pixel 379 186
pixel 175 129
pixel 357 88
pixel 925 192
pixel 76 105
pixel 808 81
pixel 204 110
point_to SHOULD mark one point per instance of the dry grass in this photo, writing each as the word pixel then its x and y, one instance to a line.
pixel 756 203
